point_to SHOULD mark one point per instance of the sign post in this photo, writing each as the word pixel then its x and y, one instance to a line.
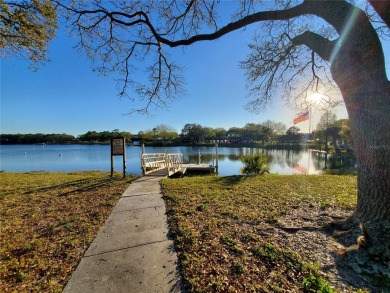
pixel 118 148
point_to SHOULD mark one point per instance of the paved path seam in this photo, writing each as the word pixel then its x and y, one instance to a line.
pixel 130 247
pixel 132 251
pixel 135 195
pixel 135 209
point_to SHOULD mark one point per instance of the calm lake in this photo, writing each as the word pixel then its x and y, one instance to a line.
pixel 66 158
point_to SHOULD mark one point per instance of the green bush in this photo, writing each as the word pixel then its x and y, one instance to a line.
pixel 254 164
pixel 316 284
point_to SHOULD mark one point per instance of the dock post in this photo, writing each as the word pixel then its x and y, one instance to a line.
pixel 216 157
pixel 142 163
pixel 167 159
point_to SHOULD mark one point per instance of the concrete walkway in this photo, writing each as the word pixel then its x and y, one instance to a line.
pixel 132 252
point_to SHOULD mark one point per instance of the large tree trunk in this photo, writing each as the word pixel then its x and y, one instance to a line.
pixel 358 69
pixel 372 135
pixel 369 113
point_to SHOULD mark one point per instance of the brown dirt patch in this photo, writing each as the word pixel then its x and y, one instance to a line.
pixel 318 234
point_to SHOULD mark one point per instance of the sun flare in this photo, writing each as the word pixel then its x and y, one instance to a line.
pixel 316 98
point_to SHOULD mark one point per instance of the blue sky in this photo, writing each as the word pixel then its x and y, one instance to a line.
pixel 66 96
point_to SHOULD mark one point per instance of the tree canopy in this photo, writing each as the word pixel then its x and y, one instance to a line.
pixel 26 28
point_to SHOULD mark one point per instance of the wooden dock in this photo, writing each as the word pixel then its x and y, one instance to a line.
pixel 198 168
pixel 173 165
pixel 186 169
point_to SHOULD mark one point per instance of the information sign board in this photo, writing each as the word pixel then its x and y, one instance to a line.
pixel 117 146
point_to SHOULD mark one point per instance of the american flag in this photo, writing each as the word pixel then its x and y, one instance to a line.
pixel 302 117
pixel 300 169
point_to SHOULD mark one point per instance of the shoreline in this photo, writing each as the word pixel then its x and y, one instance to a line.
pixel 229 145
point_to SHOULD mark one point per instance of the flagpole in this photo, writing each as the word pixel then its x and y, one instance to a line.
pixel 309 120
pixel 308 162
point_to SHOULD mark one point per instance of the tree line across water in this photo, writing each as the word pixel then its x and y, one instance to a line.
pixel 329 131
pixel 40 138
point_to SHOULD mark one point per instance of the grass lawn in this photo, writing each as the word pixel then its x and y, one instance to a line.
pixel 230 232
pixel 47 222
pixel 268 233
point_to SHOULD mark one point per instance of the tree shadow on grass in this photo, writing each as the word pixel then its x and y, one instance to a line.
pixel 76 186
pixel 101 183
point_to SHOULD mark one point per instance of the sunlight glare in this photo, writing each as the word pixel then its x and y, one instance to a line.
pixel 316 98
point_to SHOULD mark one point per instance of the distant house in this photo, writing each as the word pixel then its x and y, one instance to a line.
pixel 234 138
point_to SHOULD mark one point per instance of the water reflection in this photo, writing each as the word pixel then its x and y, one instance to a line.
pixel 23 158
pixel 280 161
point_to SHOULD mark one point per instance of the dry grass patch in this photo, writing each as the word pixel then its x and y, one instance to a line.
pixel 230 231
pixel 47 222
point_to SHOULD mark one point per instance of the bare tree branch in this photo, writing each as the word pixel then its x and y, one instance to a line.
pixel 322 46
pixel 383 10
pixel 124 37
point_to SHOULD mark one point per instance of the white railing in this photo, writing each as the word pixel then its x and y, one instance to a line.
pixel 158 161
pixel 174 163
pixel 153 162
